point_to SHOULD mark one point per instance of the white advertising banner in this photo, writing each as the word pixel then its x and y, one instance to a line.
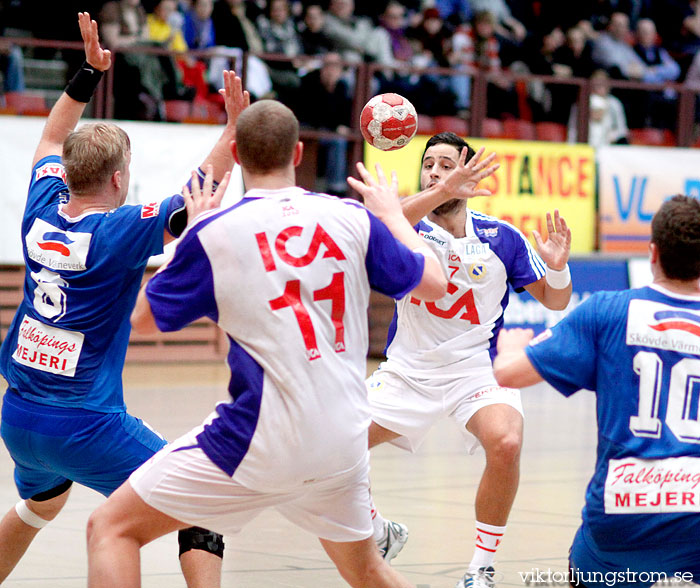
pixel 163 155
pixel 632 183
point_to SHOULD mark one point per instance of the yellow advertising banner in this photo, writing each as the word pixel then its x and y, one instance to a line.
pixel 534 178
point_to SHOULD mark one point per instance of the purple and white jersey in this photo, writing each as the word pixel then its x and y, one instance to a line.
pixel 438 338
pixel 286 274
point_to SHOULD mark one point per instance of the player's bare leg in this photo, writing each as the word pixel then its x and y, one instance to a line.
pixel 499 428
pixel 116 532
pixel 16 535
pixel 361 566
pixel 201 569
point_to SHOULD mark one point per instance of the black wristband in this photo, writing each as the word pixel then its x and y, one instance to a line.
pixel 84 83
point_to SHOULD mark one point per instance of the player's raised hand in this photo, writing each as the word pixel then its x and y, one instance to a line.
pixel 380 197
pixel 97 57
pixel 200 200
pixel 236 99
pixel 555 250
pixel 464 180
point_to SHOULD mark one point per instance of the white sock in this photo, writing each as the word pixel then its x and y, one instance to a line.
pixel 488 538
pixel 377 522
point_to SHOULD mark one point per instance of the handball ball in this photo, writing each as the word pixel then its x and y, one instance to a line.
pixel 388 122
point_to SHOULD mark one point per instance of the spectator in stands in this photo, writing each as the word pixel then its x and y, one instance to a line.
pixel 509 31
pixel 162 33
pixel 575 59
pixel 692 82
pixel 477 48
pixel 198 26
pixel 426 94
pixel 329 110
pixel 454 12
pixel 313 40
pixel 11 66
pixel 356 38
pixel 607 122
pixel 613 50
pixel 539 58
pixel 139 94
pixel 660 67
pixel 280 36
pixel 234 27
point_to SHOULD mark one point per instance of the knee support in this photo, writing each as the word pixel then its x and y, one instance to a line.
pixel 198 538
pixel 28 517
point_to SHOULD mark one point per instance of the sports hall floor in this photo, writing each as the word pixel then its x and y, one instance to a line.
pixel 432 492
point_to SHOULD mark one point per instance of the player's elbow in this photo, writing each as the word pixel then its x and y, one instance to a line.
pixel 142 321
pixel 433 285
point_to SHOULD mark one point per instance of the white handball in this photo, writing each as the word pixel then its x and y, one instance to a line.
pixel 388 122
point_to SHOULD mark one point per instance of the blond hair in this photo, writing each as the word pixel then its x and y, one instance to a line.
pixel 92 153
pixel 266 134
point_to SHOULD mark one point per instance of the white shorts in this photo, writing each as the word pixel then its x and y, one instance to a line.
pixel 410 406
pixel 182 482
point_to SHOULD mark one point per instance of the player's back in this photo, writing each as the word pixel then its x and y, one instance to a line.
pixel 287 279
pixel 67 343
pixel 647 381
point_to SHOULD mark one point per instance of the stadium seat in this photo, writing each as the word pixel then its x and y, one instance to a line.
pixel 652 136
pixel 550 131
pixel 207 113
pixel 516 128
pixel 27 104
pixel 177 110
pixel 426 124
pixel 492 128
pixel 457 125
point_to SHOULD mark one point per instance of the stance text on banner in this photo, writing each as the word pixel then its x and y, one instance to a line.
pixel 534 178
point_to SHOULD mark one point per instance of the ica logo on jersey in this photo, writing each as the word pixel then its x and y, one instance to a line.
pixel 290 299
pixel 57 249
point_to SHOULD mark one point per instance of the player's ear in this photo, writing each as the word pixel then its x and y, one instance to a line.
pixel 298 153
pixel 653 253
pixel 234 151
pixel 117 180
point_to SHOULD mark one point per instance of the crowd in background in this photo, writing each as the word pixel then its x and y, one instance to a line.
pixel 651 41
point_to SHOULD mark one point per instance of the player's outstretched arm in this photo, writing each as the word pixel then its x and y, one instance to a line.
pixel 461 183
pixel 511 366
pixel 66 113
pixel 381 198
pixel 554 290
pixel 235 100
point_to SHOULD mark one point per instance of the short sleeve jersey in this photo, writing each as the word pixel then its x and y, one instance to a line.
pixel 639 350
pixel 286 274
pixel 67 343
pixel 438 338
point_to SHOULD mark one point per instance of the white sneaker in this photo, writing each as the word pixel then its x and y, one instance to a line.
pixel 395 537
pixel 482 578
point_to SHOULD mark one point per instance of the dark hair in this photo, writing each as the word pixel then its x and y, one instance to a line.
pixel 675 230
pixel 449 138
pixel 266 134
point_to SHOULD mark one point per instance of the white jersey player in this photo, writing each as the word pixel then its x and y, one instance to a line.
pixel 439 356
pixel 287 274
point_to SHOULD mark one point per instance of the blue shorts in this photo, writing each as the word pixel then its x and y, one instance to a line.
pixel 596 568
pixel 51 445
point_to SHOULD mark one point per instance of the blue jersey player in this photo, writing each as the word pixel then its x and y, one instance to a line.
pixel 639 350
pixel 63 416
